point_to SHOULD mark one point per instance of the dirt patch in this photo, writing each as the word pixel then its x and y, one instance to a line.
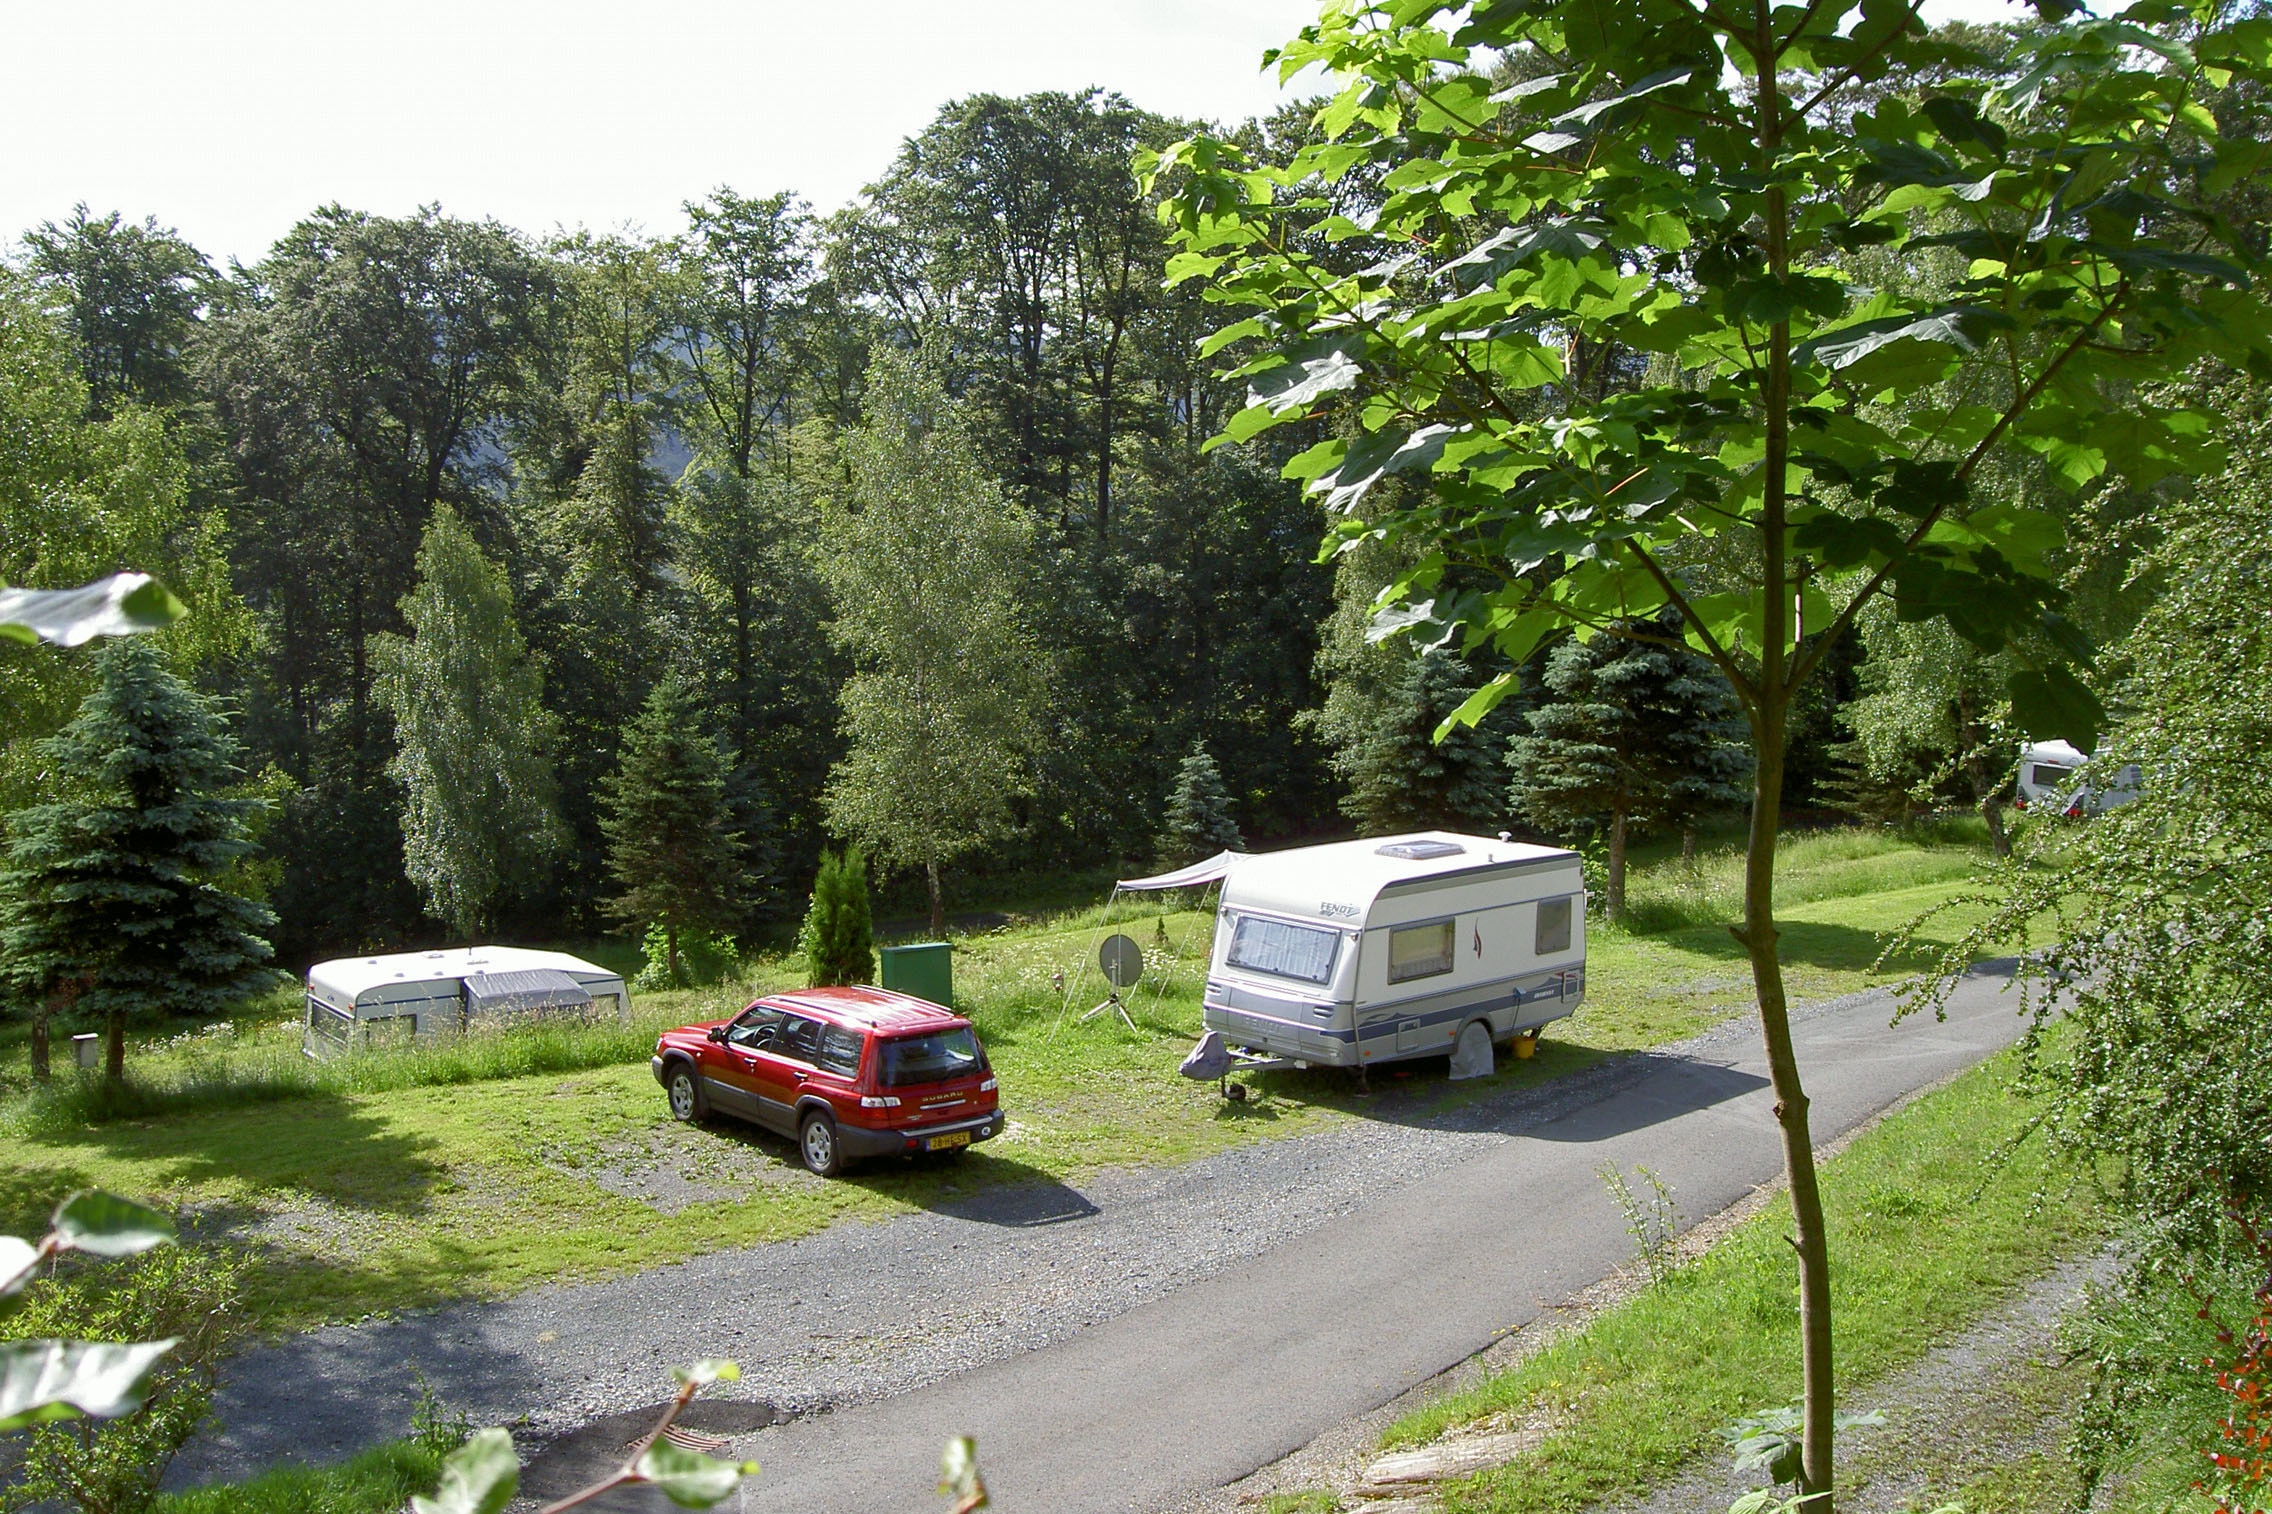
pixel 671 1167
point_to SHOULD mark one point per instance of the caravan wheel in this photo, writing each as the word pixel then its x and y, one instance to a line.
pixel 1471 1053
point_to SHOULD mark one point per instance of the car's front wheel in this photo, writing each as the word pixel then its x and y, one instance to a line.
pixel 816 1141
pixel 684 1093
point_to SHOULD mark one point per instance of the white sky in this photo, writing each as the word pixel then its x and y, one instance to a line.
pixel 230 122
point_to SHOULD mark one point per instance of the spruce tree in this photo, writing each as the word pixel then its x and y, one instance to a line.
pixel 1402 779
pixel 113 895
pixel 839 935
pixel 1198 822
pixel 1637 733
pixel 675 857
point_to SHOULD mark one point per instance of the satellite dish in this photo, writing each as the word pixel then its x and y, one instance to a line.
pixel 1121 961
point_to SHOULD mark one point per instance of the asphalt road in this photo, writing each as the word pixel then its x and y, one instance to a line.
pixel 1204 1386
pixel 1126 1345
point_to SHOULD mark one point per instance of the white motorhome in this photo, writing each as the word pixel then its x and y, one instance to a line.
pixel 2051 778
pixel 406 996
pixel 1362 952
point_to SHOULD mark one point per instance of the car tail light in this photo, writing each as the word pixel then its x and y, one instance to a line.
pixel 987 1086
pixel 878 1101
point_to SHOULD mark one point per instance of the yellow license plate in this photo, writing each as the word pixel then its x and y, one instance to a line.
pixel 947 1142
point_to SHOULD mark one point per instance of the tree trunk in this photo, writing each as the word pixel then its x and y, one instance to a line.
pixel 1759 939
pixel 1614 905
pixel 42 1067
pixel 114 1046
pixel 938 900
pixel 670 950
pixel 1688 846
pixel 1781 633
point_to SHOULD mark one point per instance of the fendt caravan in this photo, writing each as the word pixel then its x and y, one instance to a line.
pixel 1363 952
pixel 406 996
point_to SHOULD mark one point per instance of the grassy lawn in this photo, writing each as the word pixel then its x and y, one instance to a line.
pixel 1927 1234
pixel 396 1180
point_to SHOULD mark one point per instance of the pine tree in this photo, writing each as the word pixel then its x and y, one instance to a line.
pixel 112 894
pixel 1638 733
pixel 672 850
pixel 1402 779
pixel 480 819
pixel 839 935
pixel 1198 822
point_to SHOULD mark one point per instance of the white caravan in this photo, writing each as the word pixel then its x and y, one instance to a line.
pixel 1363 952
pixel 391 1000
pixel 2051 778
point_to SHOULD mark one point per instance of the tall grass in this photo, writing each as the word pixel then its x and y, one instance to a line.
pixel 228 1066
pixel 1672 895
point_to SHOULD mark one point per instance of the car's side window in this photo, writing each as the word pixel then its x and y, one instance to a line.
pixel 756 1028
pixel 840 1050
pixel 799 1038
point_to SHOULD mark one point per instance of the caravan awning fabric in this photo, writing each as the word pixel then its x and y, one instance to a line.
pixel 1214 870
pixel 512 993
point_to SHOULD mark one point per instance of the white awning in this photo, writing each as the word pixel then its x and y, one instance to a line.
pixel 1214 870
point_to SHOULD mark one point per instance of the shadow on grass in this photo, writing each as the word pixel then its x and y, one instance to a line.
pixel 330 1149
pixel 1844 948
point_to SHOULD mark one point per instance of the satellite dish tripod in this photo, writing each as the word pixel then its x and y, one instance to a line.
pixel 1121 961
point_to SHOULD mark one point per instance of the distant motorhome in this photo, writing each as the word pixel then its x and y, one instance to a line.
pixel 1362 952
pixel 355 1002
pixel 2051 778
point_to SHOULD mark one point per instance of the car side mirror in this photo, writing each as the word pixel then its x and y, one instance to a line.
pixel 718 1035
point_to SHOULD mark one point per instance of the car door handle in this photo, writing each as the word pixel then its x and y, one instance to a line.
pixel 799 1077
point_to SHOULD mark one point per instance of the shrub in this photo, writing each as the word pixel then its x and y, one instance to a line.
pixel 113 1466
pixel 839 937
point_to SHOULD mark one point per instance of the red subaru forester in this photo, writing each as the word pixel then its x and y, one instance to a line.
pixel 848 1072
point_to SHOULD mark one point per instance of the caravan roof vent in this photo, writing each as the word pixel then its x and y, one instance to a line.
pixel 1420 851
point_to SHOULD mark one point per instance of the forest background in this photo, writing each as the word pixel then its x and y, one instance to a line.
pixel 650 471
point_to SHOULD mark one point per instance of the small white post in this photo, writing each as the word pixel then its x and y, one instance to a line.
pixel 87 1051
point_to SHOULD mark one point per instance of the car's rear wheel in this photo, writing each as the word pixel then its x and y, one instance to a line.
pixel 816 1142
pixel 684 1091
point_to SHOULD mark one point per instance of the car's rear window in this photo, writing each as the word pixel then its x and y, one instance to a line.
pixel 934 1058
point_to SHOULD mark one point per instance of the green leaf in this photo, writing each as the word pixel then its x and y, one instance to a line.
pixel 1311 371
pixel 1955 326
pixel 958 1473
pixel 42 1380
pixel 103 1224
pixel 2054 703
pixel 1477 705
pixel 688 1478
pixel 119 605
pixel 479 1477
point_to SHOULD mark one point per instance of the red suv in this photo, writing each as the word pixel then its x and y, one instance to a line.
pixel 849 1072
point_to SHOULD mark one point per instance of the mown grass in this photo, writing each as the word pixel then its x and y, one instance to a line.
pixel 1928 1230
pixel 485 1166
pixel 378 1481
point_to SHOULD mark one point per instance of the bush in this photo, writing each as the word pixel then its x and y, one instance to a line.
pixel 113 1466
pixel 839 937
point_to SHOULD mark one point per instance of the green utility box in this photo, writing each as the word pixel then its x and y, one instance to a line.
pixel 924 969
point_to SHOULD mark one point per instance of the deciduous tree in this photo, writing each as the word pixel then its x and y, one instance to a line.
pixel 473 741
pixel 929 566
pixel 1688 179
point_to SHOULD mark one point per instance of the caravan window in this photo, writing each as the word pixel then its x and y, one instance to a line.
pixel 2048 777
pixel 328 1022
pixel 1283 949
pixel 1420 951
pixel 1553 927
